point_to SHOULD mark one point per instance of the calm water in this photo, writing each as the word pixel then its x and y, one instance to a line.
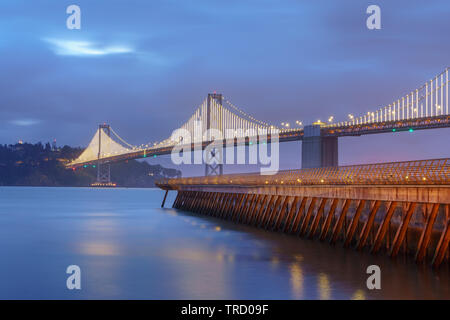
pixel 128 247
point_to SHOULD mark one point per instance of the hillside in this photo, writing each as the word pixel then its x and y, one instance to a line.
pixel 25 164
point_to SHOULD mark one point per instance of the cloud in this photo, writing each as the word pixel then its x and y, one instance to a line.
pixel 24 122
pixel 84 48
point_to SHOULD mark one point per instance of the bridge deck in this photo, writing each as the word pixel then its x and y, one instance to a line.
pixel 292 135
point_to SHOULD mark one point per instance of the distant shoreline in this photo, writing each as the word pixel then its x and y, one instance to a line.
pixel 39 165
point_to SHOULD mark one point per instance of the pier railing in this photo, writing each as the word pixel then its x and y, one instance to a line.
pixel 420 172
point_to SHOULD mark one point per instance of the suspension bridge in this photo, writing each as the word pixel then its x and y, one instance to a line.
pixel 426 107
pixel 398 208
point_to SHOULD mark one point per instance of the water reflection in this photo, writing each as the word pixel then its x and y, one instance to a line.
pixel 200 271
pixel 100 231
pixel 99 249
pixel 324 287
pixel 127 247
pixel 359 295
pixel 275 262
pixel 296 280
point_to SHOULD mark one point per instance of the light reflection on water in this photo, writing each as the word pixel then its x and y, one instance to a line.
pixel 358 295
pixel 296 280
pixel 128 247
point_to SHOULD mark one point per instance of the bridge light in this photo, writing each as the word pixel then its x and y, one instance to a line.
pixel 393 130
pixel 411 130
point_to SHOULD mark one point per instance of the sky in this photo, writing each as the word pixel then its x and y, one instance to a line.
pixel 144 67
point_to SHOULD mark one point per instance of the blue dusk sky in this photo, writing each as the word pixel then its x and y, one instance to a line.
pixel 144 66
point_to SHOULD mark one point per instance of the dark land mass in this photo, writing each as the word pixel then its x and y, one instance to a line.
pixel 25 164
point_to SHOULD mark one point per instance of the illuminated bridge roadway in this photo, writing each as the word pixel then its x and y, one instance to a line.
pixel 426 107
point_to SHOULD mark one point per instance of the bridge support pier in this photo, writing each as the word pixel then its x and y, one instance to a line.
pixel 103 172
pixel 164 200
pixel 318 151
pixel 214 169
pixel 103 168
pixel 215 166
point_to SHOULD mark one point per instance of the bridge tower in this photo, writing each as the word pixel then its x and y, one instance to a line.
pixel 318 151
pixel 103 168
pixel 215 168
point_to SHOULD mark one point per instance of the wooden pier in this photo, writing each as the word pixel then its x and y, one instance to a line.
pixel 394 208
